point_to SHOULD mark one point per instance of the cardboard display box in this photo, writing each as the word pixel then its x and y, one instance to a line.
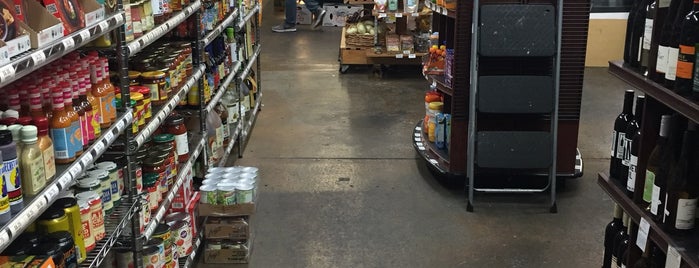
pixel 303 15
pixel 237 228
pixel 43 28
pixel 229 255
pixel 94 12
pixel 70 12
pixel 337 14
pixel 226 210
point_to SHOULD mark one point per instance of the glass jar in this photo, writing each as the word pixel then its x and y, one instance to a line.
pixel 175 126
pixel 166 138
pixel 150 184
pixel 156 166
pixel 133 78
pixel 145 93
pixel 105 188
pixel 140 111
pixel 165 181
pixel 155 81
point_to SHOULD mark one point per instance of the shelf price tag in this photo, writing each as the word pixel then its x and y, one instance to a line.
pixel 399 56
pixel 84 35
pixel 7 72
pixel 434 162
pixel 52 192
pixel 399 15
pixel 382 15
pixel 643 230
pixel 674 259
pixel 68 43
pixel 108 136
pixel 38 57
pixel 87 159
pixel 5 236
pixel 75 171
pixel 104 25
pixel 99 146
pixel 64 180
pixel 411 56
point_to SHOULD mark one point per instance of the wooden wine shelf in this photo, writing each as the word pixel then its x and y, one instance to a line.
pixel 682 105
pixel 687 245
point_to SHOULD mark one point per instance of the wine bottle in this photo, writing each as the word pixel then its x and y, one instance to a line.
pixel 610 232
pixel 656 161
pixel 633 139
pixel 630 56
pixel 618 136
pixel 674 47
pixel 657 256
pixel 645 261
pixel 651 10
pixel 681 194
pixel 689 37
pixel 663 171
pixel 637 32
pixel 618 240
pixel 664 42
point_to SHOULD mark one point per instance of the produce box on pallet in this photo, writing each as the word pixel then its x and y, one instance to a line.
pixel 337 14
pixel 227 252
pixel 233 228
pixel 303 15
pixel 227 210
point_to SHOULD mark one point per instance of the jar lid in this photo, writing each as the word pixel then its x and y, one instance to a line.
pixel 174 120
pixel 137 96
pixel 61 237
pixel 88 182
pixel 216 170
pixel 150 178
pixel 82 204
pixel 52 213
pixel 213 176
pixel 249 176
pixel 177 225
pixel 153 75
pixel 24 120
pixel 208 188
pixel 134 74
pixel 161 138
pixel 226 188
pixel 106 165
pixel 87 196
pixel 155 241
pixel 212 181
pixel 249 169
pixel 153 161
pixel 164 147
pixel 436 105
pixel 244 186
pixel 50 249
pixel 5 137
pixel 157 153
pixel 65 202
pixel 99 173
pixel 161 229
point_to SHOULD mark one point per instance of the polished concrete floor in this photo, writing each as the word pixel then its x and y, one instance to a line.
pixel 341 185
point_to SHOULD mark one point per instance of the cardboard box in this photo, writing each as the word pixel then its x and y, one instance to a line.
pixel 229 255
pixel 70 12
pixel 194 213
pixel 337 14
pixel 27 261
pixel 94 12
pixel 18 45
pixel 236 228
pixel 303 15
pixel 184 194
pixel 226 210
pixel 43 28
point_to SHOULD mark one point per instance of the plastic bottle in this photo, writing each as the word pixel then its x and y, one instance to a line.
pixel 14 129
pixel 96 114
pixel 80 109
pixel 100 91
pixel 12 184
pixel 46 147
pixel 36 109
pixel 60 131
pixel 111 91
pixel 89 113
pixel 31 162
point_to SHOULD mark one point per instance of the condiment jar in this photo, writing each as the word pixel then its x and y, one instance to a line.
pixel 67 245
pixel 88 234
pixel 155 81
pixel 140 119
pixel 116 185
pixel 175 125
pixel 50 249
pixel 133 78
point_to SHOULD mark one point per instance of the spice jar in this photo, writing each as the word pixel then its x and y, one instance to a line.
pixel 155 81
pixel 175 125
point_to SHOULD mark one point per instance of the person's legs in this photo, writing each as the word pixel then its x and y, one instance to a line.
pixel 317 11
pixel 289 24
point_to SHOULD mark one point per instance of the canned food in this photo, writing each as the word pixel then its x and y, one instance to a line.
pixel 96 213
pixel 163 232
pixel 216 170
pixel 213 176
pixel 210 181
pixel 209 194
pixel 88 235
pixel 152 252
pixel 65 241
pixel 244 193
pixel 53 220
pixel 105 188
pixel 117 186
pixel 226 195
pixel 183 238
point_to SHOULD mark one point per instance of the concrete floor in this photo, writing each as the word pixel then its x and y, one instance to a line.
pixel 341 185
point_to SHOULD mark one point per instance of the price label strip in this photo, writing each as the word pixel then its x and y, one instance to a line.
pixel 86 159
pixel 75 171
pixel 382 15
pixel 104 25
pixel 674 259
pixel 411 56
pixel 7 72
pixel 643 230
pixel 38 57
pixel 399 56
pixel 399 15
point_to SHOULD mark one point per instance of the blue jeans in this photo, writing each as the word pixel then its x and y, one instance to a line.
pixel 290 10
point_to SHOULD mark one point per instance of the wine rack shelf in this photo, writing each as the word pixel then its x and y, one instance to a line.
pixel 686 244
pixel 664 95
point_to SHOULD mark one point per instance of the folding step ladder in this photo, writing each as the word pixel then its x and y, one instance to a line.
pixel 515 59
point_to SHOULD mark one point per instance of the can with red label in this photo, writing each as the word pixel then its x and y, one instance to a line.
pixel 88 235
pixel 182 238
pixel 96 213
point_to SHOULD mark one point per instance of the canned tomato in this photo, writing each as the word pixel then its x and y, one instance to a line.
pixel 182 238
pixel 209 194
pixel 163 232
pixel 96 213
pixel 88 235
pixel 152 252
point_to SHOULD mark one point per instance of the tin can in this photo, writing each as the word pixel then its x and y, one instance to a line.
pixel 96 213
pixel 72 210
pixel 208 194
pixel 117 185
pixel 226 194
pixel 88 235
pixel 53 220
pixel 65 241
pixel 105 188
pixel 163 232
pixel 124 258
pixel 152 251
pixel 183 238
pixel 244 193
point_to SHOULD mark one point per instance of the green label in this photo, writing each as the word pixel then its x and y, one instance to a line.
pixel 648 186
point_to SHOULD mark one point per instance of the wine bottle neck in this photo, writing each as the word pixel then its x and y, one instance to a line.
pixel 628 102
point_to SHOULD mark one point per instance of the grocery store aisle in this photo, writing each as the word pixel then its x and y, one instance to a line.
pixel 341 185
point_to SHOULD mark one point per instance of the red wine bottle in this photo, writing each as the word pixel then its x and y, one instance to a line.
pixel 610 232
pixel 667 158
pixel 657 256
pixel 637 32
pixel 633 139
pixel 618 134
pixel 656 164
pixel 682 193
pixel 651 12
pixel 664 42
pixel 674 47
pixel 630 55
pixel 645 261
pixel 618 240
pixel 689 37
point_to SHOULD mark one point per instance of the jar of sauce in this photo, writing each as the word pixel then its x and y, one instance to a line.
pixel 152 187
pixel 145 92
pixel 155 81
pixel 67 245
pixel 105 189
pixel 175 125
pixel 114 182
pixel 140 111
pixel 157 166
pixel 166 139
pixel 133 78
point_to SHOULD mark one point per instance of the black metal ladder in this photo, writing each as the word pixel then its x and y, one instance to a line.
pixel 515 59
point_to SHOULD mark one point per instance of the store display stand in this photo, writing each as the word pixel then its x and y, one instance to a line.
pixel 514 33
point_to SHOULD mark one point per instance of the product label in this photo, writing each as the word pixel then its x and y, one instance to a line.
pixel 154 92
pixel 614 137
pixel 87 231
pixel 648 186
pixel 116 196
pixel 36 167
pixel 672 55
pixel 627 152
pixel 89 118
pixel 49 162
pixel 686 212
pixel 219 138
pixel 61 143
pixel 83 129
pixel 655 202
pixel 76 139
pixel 106 190
pixel 685 62
pixel 695 81
pixel 97 220
pixel 647 33
pixel 4 199
pixel 661 63
pixel 13 182
pixel 620 145
pixel 103 110
pixel 181 144
pixel 631 180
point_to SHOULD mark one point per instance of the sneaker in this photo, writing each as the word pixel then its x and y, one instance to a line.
pixel 319 19
pixel 283 28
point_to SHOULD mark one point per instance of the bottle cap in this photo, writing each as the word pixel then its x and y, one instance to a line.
pixel 24 120
pixel 42 125
pixel 10 114
pixel 28 133
pixel 14 129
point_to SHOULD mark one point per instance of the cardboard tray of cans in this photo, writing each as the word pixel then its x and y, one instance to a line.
pixel 227 210
pixel 233 228
pixel 227 251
